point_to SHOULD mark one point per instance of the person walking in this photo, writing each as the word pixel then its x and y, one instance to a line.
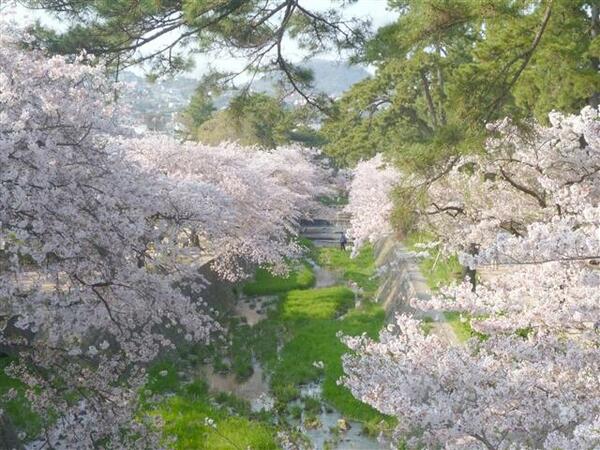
pixel 343 241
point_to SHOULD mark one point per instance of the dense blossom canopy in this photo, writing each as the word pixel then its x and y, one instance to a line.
pixel 102 234
pixel 268 193
pixel 369 202
pixel 527 208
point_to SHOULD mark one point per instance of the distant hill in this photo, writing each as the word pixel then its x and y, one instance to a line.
pixel 156 104
pixel 329 77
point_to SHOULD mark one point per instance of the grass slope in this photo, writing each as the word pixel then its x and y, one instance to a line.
pixel 18 409
pixel 438 270
pixel 360 269
pixel 186 410
pixel 441 271
pixel 265 283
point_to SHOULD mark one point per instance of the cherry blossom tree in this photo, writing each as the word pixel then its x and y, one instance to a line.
pixel 369 201
pixel 530 204
pixel 505 392
pixel 102 235
pixel 523 177
pixel 269 193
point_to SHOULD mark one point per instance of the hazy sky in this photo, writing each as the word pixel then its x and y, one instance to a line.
pixel 376 10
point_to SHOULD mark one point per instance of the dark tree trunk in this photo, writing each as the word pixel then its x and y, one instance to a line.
pixel 472 273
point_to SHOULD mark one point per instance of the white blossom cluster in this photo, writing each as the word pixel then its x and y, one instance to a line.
pixel 102 234
pixel 506 392
pixel 524 177
pixel 369 200
pixel 265 195
pixel 527 208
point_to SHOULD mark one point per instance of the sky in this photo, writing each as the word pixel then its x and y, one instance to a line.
pixel 375 10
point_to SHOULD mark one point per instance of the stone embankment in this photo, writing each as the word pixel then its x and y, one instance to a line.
pixel 401 279
pixel 401 282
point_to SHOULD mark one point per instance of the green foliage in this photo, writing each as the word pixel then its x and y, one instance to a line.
pixel 339 200
pixel 296 412
pixel 184 417
pixel 233 403
pixel 187 407
pixel 446 67
pixel 368 319
pixel 427 324
pixel 250 119
pixel 305 243
pixel 164 35
pixel 265 283
pixel 201 105
pixel 163 377
pixel 285 393
pixel 18 409
pixel 311 405
pixel 241 358
pixel 265 339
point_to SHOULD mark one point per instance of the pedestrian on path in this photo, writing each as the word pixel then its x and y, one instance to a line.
pixel 343 241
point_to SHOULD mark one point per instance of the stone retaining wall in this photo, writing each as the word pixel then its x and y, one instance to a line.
pixel 401 279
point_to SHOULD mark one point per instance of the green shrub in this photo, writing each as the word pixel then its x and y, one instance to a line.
pixel 186 420
pixel 196 390
pixel 311 405
pixel 296 412
pixel 285 393
pixel 163 377
pixel 233 403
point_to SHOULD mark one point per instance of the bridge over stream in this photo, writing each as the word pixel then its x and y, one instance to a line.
pixel 324 231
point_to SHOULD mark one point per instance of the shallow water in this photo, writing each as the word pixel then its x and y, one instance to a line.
pixel 254 309
pixel 256 388
pixel 324 277
pixel 352 439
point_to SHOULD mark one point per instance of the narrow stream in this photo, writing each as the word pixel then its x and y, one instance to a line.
pixel 351 438
pixel 334 430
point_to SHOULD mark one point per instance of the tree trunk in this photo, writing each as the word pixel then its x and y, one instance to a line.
pixel 472 273
pixel 430 104
pixel 442 89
